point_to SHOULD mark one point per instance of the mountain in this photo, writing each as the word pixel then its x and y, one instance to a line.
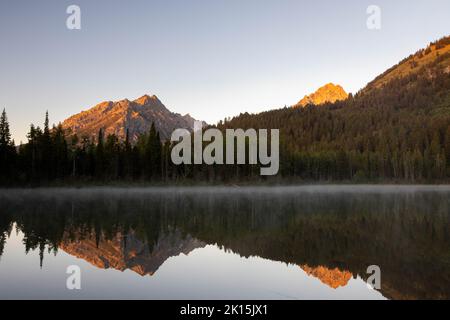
pixel 418 63
pixel 136 116
pixel 327 93
pixel 397 128
pixel 333 278
pixel 124 252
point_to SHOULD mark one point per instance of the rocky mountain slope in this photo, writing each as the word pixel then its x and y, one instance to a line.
pixel 135 116
pixel 327 93
pixel 425 61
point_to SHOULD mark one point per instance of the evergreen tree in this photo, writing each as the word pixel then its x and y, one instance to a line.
pixel 60 152
pixel 447 149
pixel 100 156
pixel 5 135
pixel 45 153
pixel 7 150
pixel 152 154
pixel 127 157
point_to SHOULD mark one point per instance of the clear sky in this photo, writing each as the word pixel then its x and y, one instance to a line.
pixel 209 58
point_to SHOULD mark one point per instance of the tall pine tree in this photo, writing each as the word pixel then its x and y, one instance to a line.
pixel 7 150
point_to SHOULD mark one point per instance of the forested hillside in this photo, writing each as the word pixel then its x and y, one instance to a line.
pixel 398 127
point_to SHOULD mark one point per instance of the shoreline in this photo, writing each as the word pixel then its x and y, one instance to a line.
pixel 208 189
pixel 192 183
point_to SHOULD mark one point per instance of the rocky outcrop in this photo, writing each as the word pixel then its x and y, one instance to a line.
pixel 328 93
pixel 135 116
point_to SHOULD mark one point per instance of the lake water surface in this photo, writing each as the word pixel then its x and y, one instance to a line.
pixel 306 242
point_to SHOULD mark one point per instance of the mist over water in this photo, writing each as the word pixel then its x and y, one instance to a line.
pixel 236 242
pixel 222 190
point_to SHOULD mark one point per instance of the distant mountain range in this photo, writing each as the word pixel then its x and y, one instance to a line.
pixel 135 116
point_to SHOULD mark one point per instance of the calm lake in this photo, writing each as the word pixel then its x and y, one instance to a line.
pixel 306 242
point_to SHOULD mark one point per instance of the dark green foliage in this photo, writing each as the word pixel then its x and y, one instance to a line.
pixel 7 151
pixel 52 156
pixel 396 132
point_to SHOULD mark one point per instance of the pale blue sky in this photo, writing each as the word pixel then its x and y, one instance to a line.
pixel 209 58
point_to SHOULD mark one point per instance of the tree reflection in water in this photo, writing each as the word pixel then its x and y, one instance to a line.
pixel 332 234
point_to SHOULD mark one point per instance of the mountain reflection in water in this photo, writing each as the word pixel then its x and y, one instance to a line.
pixel 332 233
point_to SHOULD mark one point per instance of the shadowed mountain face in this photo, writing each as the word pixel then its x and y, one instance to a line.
pixel 328 93
pixel 333 234
pixel 137 116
